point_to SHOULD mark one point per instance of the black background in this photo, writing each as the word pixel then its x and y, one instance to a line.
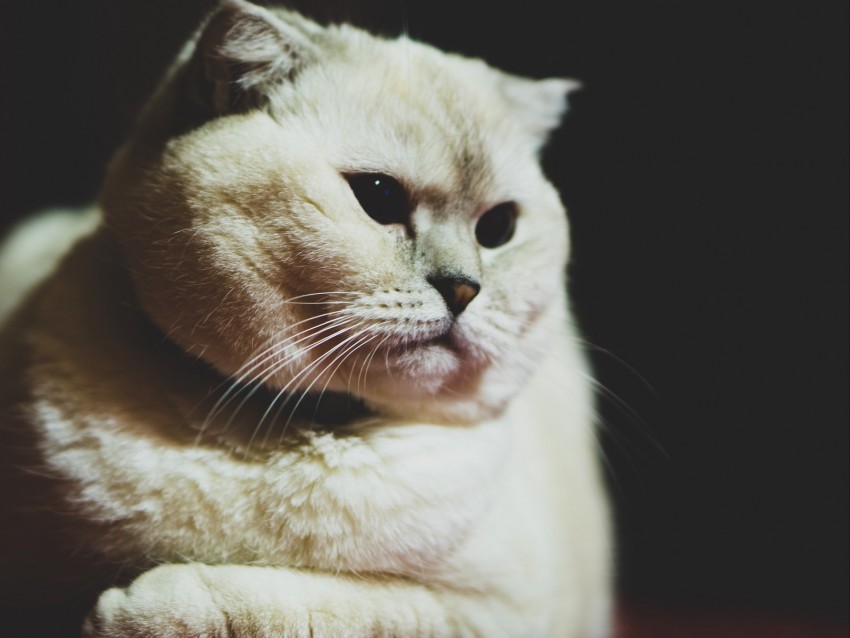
pixel 705 166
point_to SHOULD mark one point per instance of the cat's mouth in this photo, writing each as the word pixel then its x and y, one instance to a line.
pixel 410 342
pixel 444 338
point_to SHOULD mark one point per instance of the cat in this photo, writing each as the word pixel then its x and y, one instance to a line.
pixel 309 368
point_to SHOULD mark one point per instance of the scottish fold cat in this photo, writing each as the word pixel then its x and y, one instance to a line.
pixel 308 369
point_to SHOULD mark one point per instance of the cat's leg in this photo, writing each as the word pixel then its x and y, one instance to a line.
pixel 233 601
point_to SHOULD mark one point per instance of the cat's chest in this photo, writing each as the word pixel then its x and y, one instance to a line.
pixel 394 498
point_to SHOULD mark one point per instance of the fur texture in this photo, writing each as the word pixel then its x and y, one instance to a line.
pixel 162 384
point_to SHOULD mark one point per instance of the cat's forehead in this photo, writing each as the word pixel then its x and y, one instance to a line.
pixel 403 108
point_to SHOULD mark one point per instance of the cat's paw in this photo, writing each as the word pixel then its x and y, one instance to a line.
pixel 232 601
pixel 171 601
pixel 241 601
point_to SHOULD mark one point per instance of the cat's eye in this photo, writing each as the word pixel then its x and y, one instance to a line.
pixel 496 227
pixel 381 196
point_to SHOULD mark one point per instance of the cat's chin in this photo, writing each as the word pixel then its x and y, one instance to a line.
pixel 423 369
pixel 411 372
pixel 432 381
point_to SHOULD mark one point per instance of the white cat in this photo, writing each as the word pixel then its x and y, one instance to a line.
pixel 311 371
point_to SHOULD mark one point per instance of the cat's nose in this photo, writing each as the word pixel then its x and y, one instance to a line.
pixel 458 291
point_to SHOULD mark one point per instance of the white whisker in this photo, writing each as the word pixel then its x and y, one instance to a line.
pixel 367 364
pixel 294 380
pixel 276 367
pixel 260 359
pixel 340 358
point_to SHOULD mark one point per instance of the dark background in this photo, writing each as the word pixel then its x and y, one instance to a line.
pixel 705 166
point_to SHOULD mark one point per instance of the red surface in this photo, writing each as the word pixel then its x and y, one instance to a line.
pixel 639 622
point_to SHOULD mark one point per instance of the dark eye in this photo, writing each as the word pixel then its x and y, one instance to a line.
pixel 497 225
pixel 381 196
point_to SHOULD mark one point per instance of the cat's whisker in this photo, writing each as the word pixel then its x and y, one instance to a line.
pixel 239 386
pixel 251 363
pixel 363 364
pixel 364 369
pixel 264 349
pixel 261 379
pixel 368 357
pixel 318 303
pixel 339 360
pixel 348 351
pixel 278 365
pixel 280 393
pixel 589 345
pixel 346 293
pixel 351 370
pixel 605 393
pixel 630 413
pixel 354 365
pixel 534 352
pixel 305 371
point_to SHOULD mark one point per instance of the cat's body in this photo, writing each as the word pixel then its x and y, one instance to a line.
pixel 460 494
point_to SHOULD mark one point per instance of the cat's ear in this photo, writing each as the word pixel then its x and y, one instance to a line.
pixel 244 50
pixel 540 104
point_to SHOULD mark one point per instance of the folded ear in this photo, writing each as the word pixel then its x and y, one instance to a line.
pixel 540 104
pixel 243 50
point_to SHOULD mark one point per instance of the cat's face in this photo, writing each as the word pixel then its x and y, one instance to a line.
pixel 378 225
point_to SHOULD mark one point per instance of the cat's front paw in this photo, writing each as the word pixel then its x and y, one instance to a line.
pixel 242 601
pixel 171 601
pixel 231 601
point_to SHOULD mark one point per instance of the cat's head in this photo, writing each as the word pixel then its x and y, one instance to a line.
pixel 315 208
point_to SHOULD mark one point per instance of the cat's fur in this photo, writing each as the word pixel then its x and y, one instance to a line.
pixel 459 497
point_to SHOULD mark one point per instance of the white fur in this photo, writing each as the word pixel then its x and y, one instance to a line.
pixel 467 503
pixel 34 248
